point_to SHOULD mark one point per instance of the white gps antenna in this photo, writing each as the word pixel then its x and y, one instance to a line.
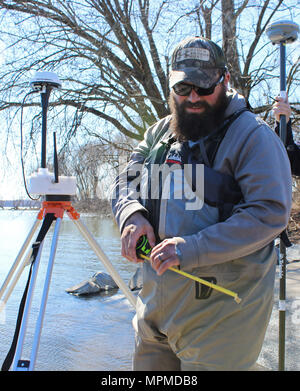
pixel 44 79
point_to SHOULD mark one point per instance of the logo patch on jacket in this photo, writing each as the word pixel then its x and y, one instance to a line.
pixel 174 157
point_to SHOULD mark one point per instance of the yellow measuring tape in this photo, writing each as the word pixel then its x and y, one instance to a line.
pixel 204 282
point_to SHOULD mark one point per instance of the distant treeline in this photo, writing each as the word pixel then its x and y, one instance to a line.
pixel 16 204
pixel 101 206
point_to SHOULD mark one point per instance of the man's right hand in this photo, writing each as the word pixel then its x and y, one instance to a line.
pixel 281 107
pixel 135 226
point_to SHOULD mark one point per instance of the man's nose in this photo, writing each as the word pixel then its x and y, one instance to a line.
pixel 193 97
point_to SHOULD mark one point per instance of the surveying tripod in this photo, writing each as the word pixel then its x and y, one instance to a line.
pixel 51 210
pixel 57 192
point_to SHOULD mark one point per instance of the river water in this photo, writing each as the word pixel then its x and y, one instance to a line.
pixel 79 333
pixel 94 333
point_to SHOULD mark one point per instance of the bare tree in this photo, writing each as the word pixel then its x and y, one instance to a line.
pixel 113 56
pixel 93 164
pixel 103 60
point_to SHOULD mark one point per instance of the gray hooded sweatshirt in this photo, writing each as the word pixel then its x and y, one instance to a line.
pixel 238 253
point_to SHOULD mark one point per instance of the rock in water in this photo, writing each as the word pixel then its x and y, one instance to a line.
pixel 98 282
pixel 104 281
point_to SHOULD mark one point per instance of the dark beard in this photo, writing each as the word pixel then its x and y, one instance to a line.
pixel 192 126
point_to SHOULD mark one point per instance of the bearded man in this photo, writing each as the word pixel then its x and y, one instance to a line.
pixel 227 239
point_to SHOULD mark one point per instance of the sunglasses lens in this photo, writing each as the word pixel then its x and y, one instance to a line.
pixel 208 91
pixel 182 89
pixel 185 90
pixel 205 91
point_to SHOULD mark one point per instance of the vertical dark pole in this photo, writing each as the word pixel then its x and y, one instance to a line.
pixel 282 263
pixel 44 99
pixel 282 125
pixel 55 159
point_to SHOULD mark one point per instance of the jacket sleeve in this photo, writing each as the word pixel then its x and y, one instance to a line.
pixel 262 170
pixel 294 156
pixel 292 148
pixel 125 198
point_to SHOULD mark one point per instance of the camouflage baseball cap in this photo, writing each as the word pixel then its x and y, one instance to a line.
pixel 197 60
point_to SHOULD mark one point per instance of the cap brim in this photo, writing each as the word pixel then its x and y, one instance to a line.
pixel 203 78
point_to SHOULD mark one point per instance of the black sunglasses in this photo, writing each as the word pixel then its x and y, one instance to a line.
pixel 184 89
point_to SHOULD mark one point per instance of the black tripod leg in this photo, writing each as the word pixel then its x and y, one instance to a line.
pixel 21 319
pixel 25 304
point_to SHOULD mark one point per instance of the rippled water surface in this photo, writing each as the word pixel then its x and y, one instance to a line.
pixel 79 333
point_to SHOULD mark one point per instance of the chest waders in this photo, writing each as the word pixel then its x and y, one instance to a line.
pixel 220 190
pixel 176 323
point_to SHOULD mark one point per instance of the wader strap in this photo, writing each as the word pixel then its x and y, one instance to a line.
pixel 203 153
pixel 49 218
pixel 219 135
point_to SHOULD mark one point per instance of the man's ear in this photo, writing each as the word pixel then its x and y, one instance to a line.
pixel 227 79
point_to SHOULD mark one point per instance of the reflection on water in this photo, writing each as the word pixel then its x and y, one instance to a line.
pixel 79 333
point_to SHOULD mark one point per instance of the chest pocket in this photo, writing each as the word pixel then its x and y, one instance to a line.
pixel 216 189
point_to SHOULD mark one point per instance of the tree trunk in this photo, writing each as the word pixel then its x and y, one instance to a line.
pixel 230 45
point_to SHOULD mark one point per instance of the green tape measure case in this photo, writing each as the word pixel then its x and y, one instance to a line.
pixel 143 247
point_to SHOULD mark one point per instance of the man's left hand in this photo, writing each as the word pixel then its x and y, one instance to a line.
pixel 164 255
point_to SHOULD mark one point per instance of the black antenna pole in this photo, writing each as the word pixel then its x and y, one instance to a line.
pixel 282 247
pixel 282 32
pixel 45 93
pixel 55 159
pixel 282 125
